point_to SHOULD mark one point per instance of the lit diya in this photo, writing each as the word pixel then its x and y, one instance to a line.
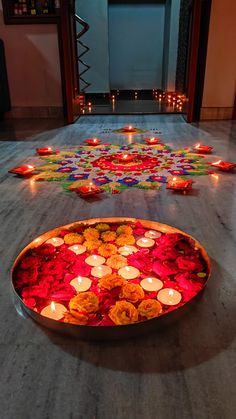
pixel 88 190
pixel 226 166
pixel 152 141
pixel 45 151
pixel 178 184
pixel 130 128
pixel 203 149
pixel 22 170
pixel 92 141
pixel 125 158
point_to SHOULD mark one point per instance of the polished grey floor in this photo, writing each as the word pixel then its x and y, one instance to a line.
pixel 185 371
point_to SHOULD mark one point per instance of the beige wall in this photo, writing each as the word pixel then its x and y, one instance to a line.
pixel 220 77
pixel 32 63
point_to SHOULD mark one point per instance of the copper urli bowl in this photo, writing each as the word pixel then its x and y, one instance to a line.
pixel 109 332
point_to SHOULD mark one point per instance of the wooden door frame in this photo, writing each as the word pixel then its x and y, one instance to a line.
pixel 197 60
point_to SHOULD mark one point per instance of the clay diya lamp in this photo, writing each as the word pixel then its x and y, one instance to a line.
pixel 88 190
pixel 125 158
pixel 45 151
pixel 152 141
pixel 203 149
pixel 129 129
pixel 92 141
pixel 226 166
pixel 179 184
pixel 22 170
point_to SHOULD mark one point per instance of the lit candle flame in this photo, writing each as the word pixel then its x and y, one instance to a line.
pixel 174 178
pixel 125 156
pixel 130 127
pixel 79 279
pixel 30 167
pixel 198 145
pixel 216 162
pixel 171 292
pixel 152 139
pixel 127 268
pixel 53 306
pixel 150 280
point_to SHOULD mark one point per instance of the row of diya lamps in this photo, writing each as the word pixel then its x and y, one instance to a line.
pixel 166 296
pixel 176 183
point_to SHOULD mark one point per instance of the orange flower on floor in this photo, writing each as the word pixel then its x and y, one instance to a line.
pixel 150 308
pixel 124 229
pixel 85 302
pixel 107 250
pixel 123 313
pixel 92 244
pixel 91 233
pixel 102 227
pixel 108 236
pixel 111 281
pixel 132 292
pixel 79 319
pixel 117 261
pixel 73 238
pixel 124 239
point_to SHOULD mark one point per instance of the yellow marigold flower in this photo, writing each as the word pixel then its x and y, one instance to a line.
pixel 107 250
pixel 79 318
pixel 92 244
pixel 111 281
pixel 124 239
pixel 91 233
pixel 123 313
pixel 117 261
pixel 85 302
pixel 150 308
pixel 102 227
pixel 73 238
pixel 132 292
pixel 124 229
pixel 108 236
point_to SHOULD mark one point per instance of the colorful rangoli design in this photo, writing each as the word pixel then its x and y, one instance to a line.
pixel 149 168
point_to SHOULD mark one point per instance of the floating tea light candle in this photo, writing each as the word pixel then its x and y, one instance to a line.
pixel 100 271
pixel 224 165
pixel 152 141
pixel 151 284
pixel 22 170
pixel 95 260
pixel 45 151
pixel 78 249
pixel 169 297
pixel 93 141
pixel 55 241
pixel 127 250
pixel 203 149
pixel 145 242
pixel 81 283
pixel 152 234
pixel 129 272
pixel 54 311
pixel 179 184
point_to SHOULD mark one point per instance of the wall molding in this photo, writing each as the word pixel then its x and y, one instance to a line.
pixel 216 113
pixel 35 112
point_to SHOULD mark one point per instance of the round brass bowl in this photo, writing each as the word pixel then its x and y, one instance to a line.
pixel 109 332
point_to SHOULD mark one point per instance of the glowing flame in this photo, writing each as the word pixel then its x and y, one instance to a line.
pixel 130 127
pixel 152 139
pixel 95 140
pixel 125 156
pixel 30 167
pixel 150 280
pixel 79 279
pixel 53 306
pixel 174 178
pixel 198 145
pixel 171 292
pixel 216 162
pixel 49 148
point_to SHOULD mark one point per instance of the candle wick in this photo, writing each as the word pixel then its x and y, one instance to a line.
pixel 53 306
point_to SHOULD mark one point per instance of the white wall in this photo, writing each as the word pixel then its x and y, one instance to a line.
pixel 95 13
pixel 136 36
pixel 33 66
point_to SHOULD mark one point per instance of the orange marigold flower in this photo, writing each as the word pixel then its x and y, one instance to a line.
pixel 110 281
pixel 85 302
pixel 150 308
pixel 124 229
pixel 92 244
pixel 107 250
pixel 91 233
pixel 102 227
pixel 132 292
pixel 73 238
pixel 124 239
pixel 79 319
pixel 117 261
pixel 123 313
pixel 108 236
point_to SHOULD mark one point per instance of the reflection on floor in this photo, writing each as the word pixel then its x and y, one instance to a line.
pixel 187 369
